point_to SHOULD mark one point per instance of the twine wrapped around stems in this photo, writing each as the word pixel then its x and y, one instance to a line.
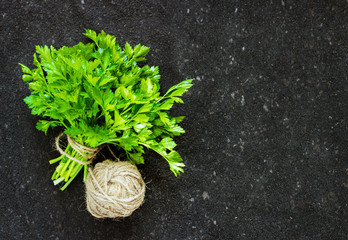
pixel 86 152
pixel 113 189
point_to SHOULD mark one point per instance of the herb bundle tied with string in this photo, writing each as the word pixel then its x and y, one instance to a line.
pixel 100 96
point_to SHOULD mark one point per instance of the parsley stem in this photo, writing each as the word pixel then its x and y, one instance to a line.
pixel 56 159
pixel 64 168
pixel 72 178
pixel 54 175
pixel 71 168
pixel 65 171
pixel 114 141
pixel 59 167
pixel 59 180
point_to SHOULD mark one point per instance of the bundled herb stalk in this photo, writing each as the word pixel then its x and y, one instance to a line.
pixel 99 95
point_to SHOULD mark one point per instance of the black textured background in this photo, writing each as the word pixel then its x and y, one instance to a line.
pixel 266 142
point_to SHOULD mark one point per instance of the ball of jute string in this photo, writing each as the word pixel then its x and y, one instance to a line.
pixel 114 189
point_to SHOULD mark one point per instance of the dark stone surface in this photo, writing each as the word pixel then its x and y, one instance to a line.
pixel 266 143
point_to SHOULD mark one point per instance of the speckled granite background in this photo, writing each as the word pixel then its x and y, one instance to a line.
pixel 266 143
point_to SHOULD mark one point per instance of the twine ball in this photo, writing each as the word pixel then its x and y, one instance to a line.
pixel 114 189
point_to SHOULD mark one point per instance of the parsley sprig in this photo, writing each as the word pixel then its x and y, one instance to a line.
pixel 99 95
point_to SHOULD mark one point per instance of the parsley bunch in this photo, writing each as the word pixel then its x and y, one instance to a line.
pixel 99 95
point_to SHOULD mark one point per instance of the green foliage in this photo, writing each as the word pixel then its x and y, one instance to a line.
pixel 99 94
